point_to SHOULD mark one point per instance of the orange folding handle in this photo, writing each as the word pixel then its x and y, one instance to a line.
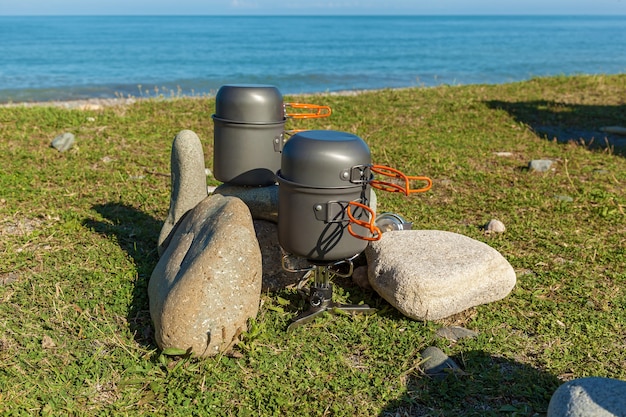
pixel 397 188
pixel 374 230
pixel 320 111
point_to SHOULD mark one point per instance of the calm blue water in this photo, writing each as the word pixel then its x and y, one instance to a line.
pixel 45 58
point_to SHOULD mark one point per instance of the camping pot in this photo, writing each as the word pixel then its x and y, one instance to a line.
pixel 324 174
pixel 249 129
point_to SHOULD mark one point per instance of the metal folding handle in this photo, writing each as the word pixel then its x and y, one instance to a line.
pixel 320 111
pixel 369 225
pixel 397 188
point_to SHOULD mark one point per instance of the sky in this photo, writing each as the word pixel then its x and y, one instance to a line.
pixel 309 7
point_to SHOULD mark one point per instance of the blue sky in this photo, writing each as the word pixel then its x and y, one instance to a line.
pixel 304 7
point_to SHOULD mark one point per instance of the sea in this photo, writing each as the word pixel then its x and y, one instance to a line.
pixel 81 57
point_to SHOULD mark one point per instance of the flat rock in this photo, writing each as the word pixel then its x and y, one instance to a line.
pixel 188 182
pixel 207 283
pixel 431 274
pixel 262 201
pixel 589 397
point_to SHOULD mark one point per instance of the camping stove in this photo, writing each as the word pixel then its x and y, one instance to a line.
pixel 323 211
pixel 320 293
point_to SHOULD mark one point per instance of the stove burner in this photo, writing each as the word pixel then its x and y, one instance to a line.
pixel 321 292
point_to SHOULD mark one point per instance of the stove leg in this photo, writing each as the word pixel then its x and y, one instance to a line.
pixel 320 300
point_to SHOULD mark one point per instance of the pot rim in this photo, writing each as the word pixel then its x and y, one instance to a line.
pixel 317 187
pixel 241 122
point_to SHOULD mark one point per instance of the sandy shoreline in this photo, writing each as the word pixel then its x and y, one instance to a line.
pixel 99 103
pixel 83 104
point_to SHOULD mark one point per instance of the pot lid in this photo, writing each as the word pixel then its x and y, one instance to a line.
pixel 324 158
pixel 253 103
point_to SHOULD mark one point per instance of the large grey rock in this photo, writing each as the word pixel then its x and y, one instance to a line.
pixel 188 182
pixel 431 274
pixel 262 201
pixel 207 283
pixel 589 397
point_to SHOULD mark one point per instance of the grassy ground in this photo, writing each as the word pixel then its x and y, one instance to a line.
pixel 78 235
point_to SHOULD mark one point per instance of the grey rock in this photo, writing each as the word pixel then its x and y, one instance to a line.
pixel 262 201
pixel 589 397
pixel 455 333
pixel 495 226
pixel 207 283
pixel 188 182
pixel 63 142
pixel 431 274
pixel 438 364
pixel 540 165
pixel 359 277
pixel 275 277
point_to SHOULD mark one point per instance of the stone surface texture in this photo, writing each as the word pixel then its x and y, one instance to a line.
pixel 431 274
pixel 262 201
pixel 274 276
pixel 207 283
pixel 359 277
pixel 589 397
pixel 188 182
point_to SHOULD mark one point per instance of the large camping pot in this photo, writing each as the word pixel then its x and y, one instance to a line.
pixel 322 173
pixel 249 123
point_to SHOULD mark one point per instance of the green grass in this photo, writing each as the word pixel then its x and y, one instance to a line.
pixel 78 234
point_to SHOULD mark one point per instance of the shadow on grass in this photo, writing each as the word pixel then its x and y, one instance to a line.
pixel 137 233
pixel 570 122
pixel 487 386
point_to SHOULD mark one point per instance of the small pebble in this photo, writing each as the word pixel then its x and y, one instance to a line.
pixel 540 165
pixel 438 364
pixel 63 142
pixel 494 226
pixel 456 333
pixel 564 198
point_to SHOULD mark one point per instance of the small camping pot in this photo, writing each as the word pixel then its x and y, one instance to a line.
pixel 249 124
pixel 324 175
